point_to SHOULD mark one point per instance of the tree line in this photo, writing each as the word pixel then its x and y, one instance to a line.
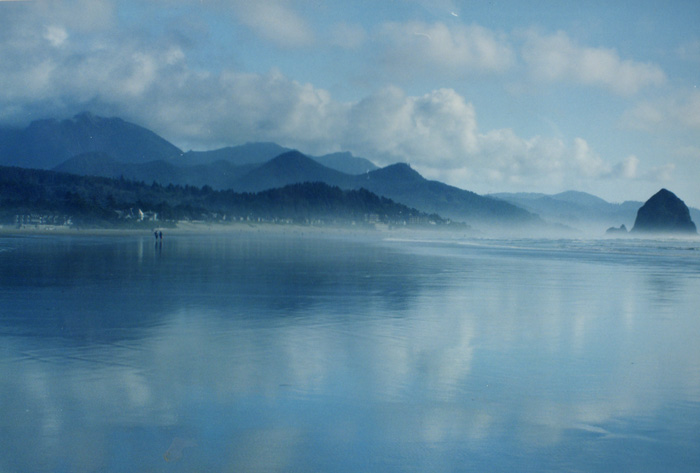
pixel 106 202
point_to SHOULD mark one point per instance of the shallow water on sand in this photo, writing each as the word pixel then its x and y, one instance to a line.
pixel 308 353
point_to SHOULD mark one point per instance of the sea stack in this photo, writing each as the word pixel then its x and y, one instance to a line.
pixel 664 213
pixel 615 230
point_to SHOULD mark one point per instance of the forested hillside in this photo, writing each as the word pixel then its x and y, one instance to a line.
pixel 105 202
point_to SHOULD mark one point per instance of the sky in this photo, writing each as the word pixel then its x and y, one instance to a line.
pixel 489 96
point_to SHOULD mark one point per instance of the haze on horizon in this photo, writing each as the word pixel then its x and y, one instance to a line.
pixel 595 97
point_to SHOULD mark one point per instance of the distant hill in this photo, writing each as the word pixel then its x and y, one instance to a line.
pixel 218 174
pixel 346 162
pixel 580 198
pixel 288 168
pixel 45 144
pixel 403 184
pixel 259 153
pixel 249 153
pixel 575 209
pixel 580 210
pixel 398 182
pixel 99 201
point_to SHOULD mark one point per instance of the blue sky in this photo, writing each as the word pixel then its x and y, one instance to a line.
pixel 489 96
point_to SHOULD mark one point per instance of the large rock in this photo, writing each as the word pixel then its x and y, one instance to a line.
pixel 617 231
pixel 664 213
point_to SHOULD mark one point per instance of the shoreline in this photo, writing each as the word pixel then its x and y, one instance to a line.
pixel 193 228
pixel 248 229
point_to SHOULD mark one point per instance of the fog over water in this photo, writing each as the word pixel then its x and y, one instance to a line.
pixel 253 352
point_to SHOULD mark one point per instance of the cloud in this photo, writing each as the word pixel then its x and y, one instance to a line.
pixel 275 21
pixel 681 111
pixel 55 35
pixel 438 133
pixel 436 127
pixel 457 49
pixel 556 58
pixel 628 168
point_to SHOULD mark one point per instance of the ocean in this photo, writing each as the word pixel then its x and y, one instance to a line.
pixel 329 353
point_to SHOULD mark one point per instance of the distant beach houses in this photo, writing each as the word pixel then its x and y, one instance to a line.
pixel 138 215
pixel 36 220
pixel 43 220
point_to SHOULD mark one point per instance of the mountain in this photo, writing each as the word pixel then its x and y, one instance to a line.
pixel 398 182
pixel 288 168
pixel 259 153
pixel 217 175
pixel 580 198
pixel 664 212
pixel 403 184
pixel 249 153
pixel 346 162
pixel 45 144
pixel 574 209
pixel 95 163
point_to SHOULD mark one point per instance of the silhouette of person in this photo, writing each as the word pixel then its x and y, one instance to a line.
pixel 160 235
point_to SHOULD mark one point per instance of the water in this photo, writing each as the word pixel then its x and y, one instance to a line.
pixel 305 353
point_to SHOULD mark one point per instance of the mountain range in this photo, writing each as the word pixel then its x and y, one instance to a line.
pixel 112 147
pixel 579 210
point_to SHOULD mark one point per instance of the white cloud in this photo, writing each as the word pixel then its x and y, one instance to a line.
pixel 556 58
pixel 587 162
pixel 274 20
pixel 628 168
pixel 438 134
pixel 55 35
pixel 437 127
pixel 679 111
pixel 457 49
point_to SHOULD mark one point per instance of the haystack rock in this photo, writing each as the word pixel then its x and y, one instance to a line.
pixel 664 213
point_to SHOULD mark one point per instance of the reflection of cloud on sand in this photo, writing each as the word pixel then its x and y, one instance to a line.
pixel 272 450
pixel 177 446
